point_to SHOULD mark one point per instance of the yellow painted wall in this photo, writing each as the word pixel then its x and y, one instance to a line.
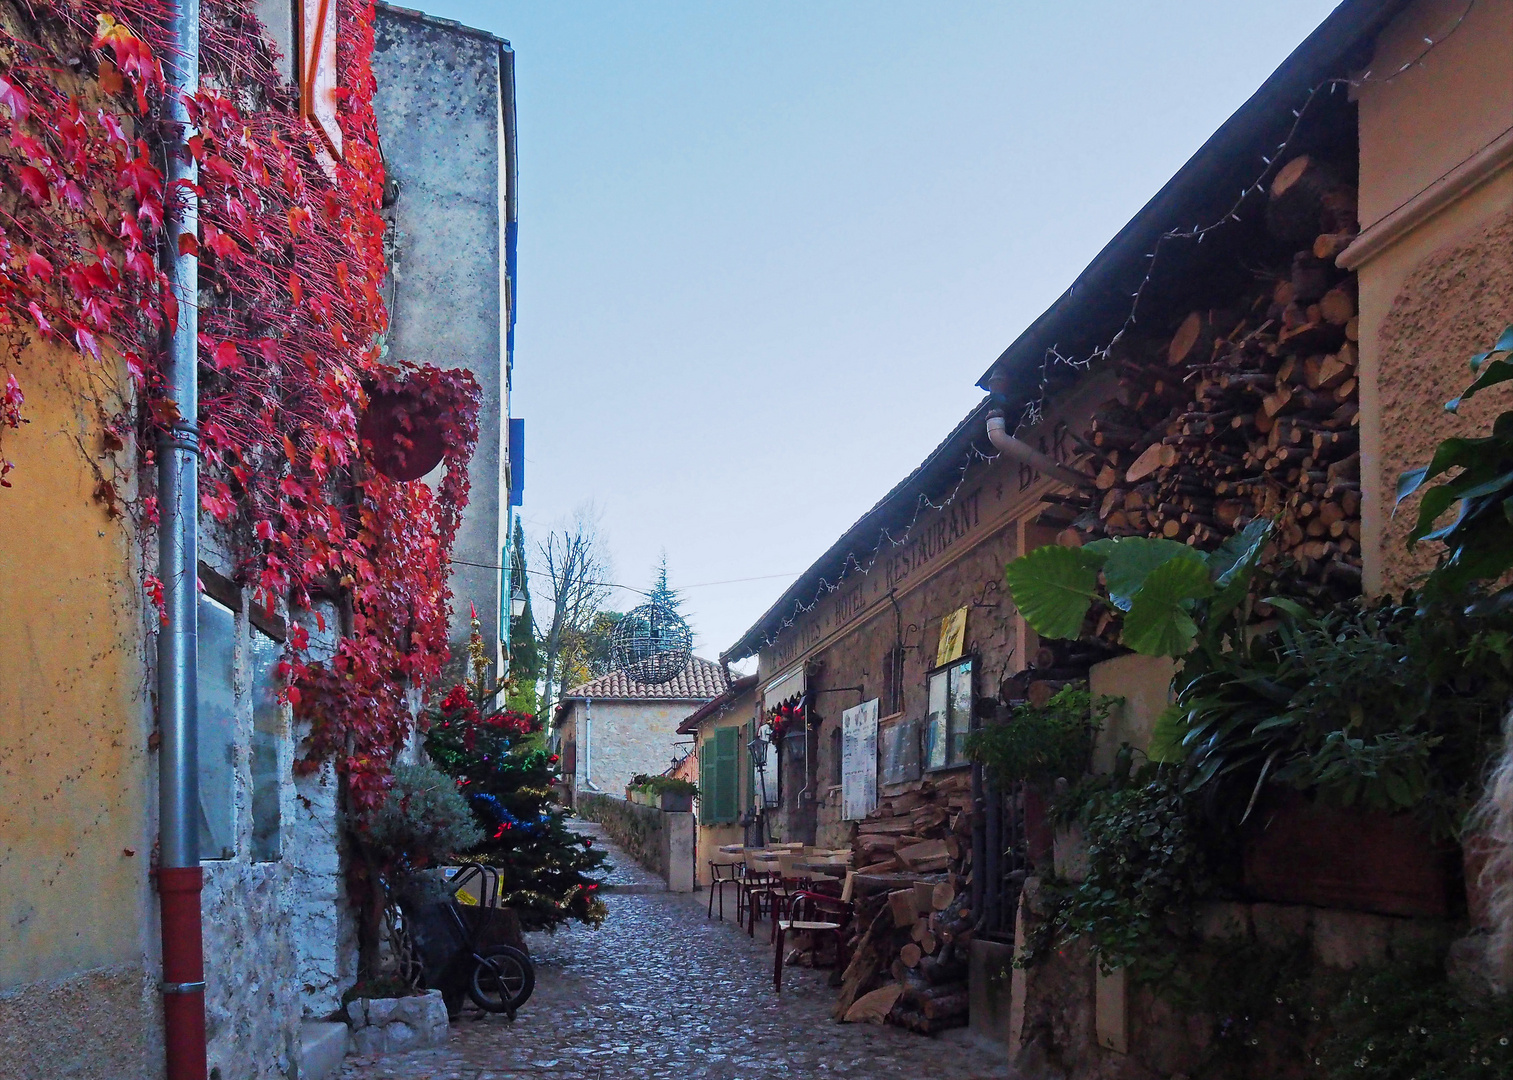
pixel 74 716
pixel 1435 256
pixel 739 711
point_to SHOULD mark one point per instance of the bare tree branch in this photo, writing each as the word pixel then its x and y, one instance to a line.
pixel 574 559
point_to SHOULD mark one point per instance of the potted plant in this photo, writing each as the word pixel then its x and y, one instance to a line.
pixel 670 794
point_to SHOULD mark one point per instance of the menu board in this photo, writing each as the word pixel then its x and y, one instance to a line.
pixel 900 751
pixel 859 761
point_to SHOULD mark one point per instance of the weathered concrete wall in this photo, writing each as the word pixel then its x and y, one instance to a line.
pixel 440 116
pixel 1065 1019
pixel 252 1012
pixel 96 1025
pixel 1435 257
pixel 77 915
pixel 660 841
pixel 321 918
pixel 627 737
pixel 1144 683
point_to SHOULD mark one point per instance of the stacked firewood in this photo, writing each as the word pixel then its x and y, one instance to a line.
pixel 1246 411
pixel 909 958
pixel 923 830
pixel 908 948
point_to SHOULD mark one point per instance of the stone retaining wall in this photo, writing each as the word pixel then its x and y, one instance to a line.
pixel 660 841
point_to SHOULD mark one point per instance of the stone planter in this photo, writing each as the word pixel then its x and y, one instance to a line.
pixel 641 798
pixel 1299 852
pixel 389 1025
pixel 673 803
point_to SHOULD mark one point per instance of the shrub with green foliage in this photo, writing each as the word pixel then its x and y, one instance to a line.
pixel 1149 864
pixel 422 820
pixel 1042 743
pixel 1407 1021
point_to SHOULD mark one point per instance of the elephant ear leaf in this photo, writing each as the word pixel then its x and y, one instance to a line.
pixel 1129 561
pixel 1239 553
pixel 1232 566
pixel 1053 587
pixel 1158 623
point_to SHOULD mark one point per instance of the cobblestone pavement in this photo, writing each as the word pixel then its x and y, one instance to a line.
pixel 661 992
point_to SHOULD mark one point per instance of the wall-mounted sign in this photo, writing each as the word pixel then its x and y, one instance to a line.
pixel 900 751
pixel 953 637
pixel 317 70
pixel 859 761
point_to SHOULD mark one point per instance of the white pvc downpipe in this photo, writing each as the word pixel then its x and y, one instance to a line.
pixel 1022 452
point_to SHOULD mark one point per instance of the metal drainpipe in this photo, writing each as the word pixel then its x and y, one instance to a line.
pixel 588 743
pixel 179 878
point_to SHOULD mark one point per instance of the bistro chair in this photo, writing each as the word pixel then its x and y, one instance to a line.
pixel 721 875
pixel 760 885
pixel 813 914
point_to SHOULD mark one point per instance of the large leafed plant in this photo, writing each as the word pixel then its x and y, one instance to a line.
pixel 1479 538
pixel 1163 590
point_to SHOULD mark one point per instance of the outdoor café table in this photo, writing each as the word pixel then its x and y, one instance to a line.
pixel 732 849
pixel 827 867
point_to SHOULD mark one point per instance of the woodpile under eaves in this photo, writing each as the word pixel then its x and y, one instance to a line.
pixel 1245 411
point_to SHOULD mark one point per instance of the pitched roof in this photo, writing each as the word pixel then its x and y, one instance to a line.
pixel 701 680
pixel 935 476
pixel 714 705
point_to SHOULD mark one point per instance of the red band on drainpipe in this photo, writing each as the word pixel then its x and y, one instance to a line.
pixel 183 972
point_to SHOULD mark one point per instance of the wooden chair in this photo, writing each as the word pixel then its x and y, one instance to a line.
pixel 813 914
pixel 761 884
pixel 723 873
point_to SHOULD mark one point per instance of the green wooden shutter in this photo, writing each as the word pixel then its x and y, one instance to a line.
pixel 726 778
pixel 706 803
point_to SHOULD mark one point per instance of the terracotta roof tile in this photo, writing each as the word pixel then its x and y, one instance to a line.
pixel 701 680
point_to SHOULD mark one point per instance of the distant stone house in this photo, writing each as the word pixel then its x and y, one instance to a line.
pixel 612 728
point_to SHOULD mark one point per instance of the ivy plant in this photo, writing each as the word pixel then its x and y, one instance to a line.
pixel 1163 589
pixel 1149 866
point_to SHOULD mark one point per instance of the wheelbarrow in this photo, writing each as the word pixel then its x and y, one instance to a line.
pixel 447 938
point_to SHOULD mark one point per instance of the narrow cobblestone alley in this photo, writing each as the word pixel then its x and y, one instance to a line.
pixel 659 991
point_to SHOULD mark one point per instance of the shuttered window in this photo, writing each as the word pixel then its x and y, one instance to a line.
pixel 720 777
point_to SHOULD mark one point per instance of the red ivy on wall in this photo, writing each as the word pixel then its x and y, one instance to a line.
pixel 291 324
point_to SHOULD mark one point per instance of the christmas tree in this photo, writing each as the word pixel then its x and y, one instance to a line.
pixel 508 779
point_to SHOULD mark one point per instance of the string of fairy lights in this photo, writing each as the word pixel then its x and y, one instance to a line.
pixel 1033 411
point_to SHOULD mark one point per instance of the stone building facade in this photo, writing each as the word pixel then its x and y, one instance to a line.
pixel 612 728
pixel 445 105
pixel 79 935
pixel 1423 108
pixel 935 546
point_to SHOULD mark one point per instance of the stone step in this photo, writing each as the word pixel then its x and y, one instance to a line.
pixel 322 1046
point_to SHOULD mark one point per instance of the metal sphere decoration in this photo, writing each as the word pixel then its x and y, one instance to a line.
pixel 652 644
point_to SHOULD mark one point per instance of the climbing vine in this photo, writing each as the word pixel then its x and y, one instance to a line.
pixel 291 329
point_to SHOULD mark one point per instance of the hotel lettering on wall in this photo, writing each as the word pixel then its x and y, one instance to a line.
pixel 936 538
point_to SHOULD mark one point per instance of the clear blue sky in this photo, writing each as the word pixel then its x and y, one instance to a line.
pixel 767 248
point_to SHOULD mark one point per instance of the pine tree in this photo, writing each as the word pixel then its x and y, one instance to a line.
pixel 509 783
pixel 663 593
pixel 509 780
pixel 525 654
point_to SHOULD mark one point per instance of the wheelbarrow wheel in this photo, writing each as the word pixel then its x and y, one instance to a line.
pixel 503 978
